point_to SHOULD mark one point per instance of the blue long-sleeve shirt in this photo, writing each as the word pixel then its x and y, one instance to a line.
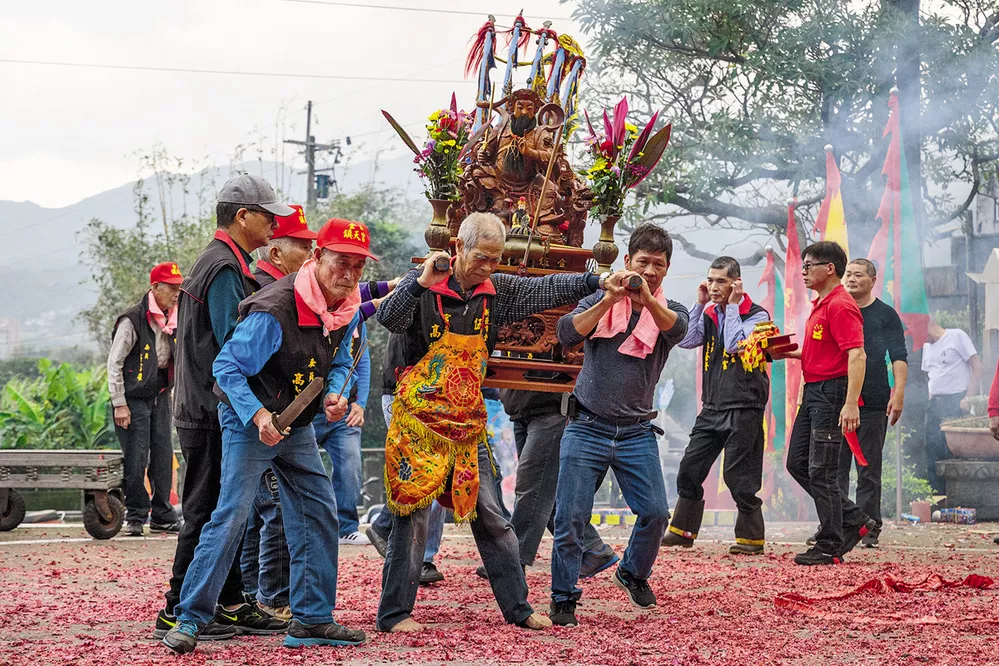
pixel 363 372
pixel 253 342
pixel 733 329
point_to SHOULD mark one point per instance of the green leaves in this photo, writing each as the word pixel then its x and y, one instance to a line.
pixel 756 88
pixel 65 408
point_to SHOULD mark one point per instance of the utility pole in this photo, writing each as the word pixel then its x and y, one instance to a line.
pixel 310 157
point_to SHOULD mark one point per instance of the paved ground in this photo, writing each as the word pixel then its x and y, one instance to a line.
pixel 67 599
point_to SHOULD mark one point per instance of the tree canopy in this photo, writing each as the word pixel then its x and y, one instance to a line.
pixel 755 89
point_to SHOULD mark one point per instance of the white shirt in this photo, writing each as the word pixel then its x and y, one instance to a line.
pixel 946 362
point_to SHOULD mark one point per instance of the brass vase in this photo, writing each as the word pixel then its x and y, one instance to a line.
pixel 605 250
pixel 438 235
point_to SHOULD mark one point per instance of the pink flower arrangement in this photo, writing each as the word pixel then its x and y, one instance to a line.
pixel 622 157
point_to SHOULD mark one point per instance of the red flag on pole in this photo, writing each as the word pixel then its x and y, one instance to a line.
pixel 796 309
pixel 895 248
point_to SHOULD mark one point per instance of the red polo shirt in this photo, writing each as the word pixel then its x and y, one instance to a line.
pixel 834 327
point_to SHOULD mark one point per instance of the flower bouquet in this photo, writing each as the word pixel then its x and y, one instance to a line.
pixel 622 158
pixel 437 163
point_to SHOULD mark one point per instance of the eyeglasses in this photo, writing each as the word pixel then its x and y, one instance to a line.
pixel 266 213
pixel 807 266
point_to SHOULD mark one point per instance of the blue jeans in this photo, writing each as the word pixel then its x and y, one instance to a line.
pixel 435 529
pixel 265 560
pixel 343 444
pixel 309 513
pixel 589 447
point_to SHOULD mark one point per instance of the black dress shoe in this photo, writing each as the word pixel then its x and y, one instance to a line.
pixel 430 574
pixel 171 528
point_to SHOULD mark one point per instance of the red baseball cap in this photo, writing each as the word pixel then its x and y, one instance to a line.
pixel 293 226
pixel 345 236
pixel 168 273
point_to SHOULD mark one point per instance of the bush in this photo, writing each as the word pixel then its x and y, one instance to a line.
pixel 64 408
pixel 914 489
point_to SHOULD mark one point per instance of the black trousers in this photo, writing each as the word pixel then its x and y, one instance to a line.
pixel 739 433
pixel 539 439
pixel 941 407
pixel 871 434
pixel 203 454
pixel 147 450
pixel 813 460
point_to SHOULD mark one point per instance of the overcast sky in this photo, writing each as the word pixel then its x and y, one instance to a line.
pixel 70 132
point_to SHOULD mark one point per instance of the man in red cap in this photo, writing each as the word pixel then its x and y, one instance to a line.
pixel 289 248
pixel 294 331
pixel 140 374
pixel 264 559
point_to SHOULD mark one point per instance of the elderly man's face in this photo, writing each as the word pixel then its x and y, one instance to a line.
pixel 289 254
pixel 479 262
pixel 166 295
pixel 338 273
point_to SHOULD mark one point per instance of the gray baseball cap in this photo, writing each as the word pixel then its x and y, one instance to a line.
pixel 253 191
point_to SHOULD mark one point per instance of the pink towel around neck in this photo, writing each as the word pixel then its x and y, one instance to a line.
pixel 643 339
pixel 168 325
pixel 307 287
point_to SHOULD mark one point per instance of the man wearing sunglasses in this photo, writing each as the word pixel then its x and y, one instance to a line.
pixel 207 313
pixel 833 363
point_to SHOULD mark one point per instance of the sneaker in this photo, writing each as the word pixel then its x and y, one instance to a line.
pixel 329 633
pixel 430 574
pixel 813 556
pixel 355 539
pixel 745 549
pixel 814 539
pixel 595 561
pixel 378 541
pixel 563 613
pixel 870 541
pixel 674 539
pixel 249 619
pixel 852 536
pixel 171 528
pixel 280 612
pixel 213 631
pixel 638 590
pixel 164 623
pixel 133 530
pixel 183 638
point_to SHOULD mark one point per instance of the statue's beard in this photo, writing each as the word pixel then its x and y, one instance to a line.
pixel 519 126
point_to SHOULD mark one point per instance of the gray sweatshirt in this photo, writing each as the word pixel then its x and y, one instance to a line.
pixel 613 385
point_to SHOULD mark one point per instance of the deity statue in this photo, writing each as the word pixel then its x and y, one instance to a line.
pixel 508 166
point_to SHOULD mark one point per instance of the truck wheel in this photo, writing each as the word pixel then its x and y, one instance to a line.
pixel 14 514
pixel 95 524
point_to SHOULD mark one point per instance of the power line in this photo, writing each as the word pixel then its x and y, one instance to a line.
pixel 47 253
pixel 426 10
pixel 190 70
pixel 377 85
